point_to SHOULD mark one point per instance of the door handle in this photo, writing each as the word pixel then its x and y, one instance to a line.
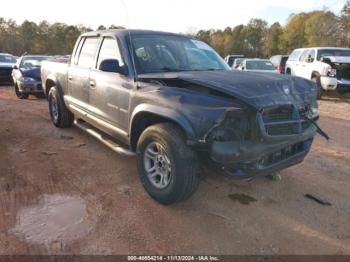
pixel 92 84
pixel 70 78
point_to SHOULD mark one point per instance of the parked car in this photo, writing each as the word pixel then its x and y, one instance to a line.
pixel 279 62
pixel 230 60
pixel 328 67
pixel 171 100
pixel 26 75
pixel 257 65
pixel 237 63
pixel 6 63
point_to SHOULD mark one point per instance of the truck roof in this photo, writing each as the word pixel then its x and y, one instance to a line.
pixel 126 32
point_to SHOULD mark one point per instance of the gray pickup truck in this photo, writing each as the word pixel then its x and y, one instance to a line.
pixel 174 103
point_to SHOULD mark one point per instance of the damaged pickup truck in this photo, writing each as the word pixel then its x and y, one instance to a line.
pixel 171 100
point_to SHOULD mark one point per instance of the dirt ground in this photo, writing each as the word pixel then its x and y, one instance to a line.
pixel 62 191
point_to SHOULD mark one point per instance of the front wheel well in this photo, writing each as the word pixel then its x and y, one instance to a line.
pixel 48 84
pixel 143 120
pixel 315 74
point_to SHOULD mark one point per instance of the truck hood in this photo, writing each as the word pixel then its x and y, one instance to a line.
pixel 256 89
pixel 339 59
pixel 33 73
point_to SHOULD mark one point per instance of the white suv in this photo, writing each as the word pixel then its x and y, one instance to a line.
pixel 329 67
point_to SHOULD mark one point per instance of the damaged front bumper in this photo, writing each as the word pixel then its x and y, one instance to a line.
pixel 30 87
pixel 281 143
pixel 247 159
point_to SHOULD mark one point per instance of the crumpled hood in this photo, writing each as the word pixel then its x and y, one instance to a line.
pixel 339 59
pixel 256 89
pixel 33 73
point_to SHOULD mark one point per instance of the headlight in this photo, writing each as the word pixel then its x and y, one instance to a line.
pixel 331 72
pixel 26 79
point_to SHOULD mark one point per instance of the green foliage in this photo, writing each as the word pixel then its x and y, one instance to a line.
pixel 256 39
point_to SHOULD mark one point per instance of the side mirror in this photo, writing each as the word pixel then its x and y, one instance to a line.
pixel 14 67
pixel 112 65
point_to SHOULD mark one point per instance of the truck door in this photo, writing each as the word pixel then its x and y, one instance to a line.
pixel 301 64
pixel 79 72
pixel 110 91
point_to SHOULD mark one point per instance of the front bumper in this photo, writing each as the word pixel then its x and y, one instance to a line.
pixel 261 158
pixel 328 83
pixel 343 86
pixel 30 87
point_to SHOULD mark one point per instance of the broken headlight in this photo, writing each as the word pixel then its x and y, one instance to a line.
pixel 234 127
pixel 331 72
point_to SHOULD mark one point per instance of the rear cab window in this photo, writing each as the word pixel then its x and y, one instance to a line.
pixel 295 55
pixel 88 52
pixel 304 55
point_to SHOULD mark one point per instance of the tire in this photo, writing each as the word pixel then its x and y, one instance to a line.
pixel 19 94
pixel 61 117
pixel 181 179
pixel 317 81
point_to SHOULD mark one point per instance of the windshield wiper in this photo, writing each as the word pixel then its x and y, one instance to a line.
pixel 169 69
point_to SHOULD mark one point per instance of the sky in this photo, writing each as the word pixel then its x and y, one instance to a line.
pixel 165 15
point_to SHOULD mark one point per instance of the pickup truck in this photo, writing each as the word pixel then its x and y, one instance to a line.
pixel 328 67
pixel 172 101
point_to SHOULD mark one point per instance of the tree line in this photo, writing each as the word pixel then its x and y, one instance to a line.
pixel 41 38
pixel 255 39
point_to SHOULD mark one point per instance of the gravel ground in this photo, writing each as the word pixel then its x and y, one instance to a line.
pixel 63 192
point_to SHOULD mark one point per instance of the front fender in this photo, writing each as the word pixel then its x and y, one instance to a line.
pixel 168 113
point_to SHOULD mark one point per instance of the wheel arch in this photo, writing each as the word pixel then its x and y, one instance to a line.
pixel 49 83
pixel 315 74
pixel 147 115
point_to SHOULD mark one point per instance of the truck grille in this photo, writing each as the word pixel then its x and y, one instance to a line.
pixel 284 153
pixel 343 71
pixel 286 120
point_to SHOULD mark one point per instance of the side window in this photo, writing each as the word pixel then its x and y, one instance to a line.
pixel 77 51
pixel 311 56
pixel 294 55
pixel 109 50
pixel 304 56
pixel 88 52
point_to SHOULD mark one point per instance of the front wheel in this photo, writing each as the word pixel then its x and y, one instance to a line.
pixel 60 116
pixel 167 166
pixel 19 94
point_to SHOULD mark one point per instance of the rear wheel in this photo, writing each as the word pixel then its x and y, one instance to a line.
pixel 19 94
pixel 61 117
pixel 167 166
pixel 317 81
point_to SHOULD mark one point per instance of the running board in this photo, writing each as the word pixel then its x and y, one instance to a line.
pixel 105 140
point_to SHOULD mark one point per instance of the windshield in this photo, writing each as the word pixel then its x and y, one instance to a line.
pixel 32 61
pixel 167 53
pixel 7 59
pixel 332 52
pixel 259 65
